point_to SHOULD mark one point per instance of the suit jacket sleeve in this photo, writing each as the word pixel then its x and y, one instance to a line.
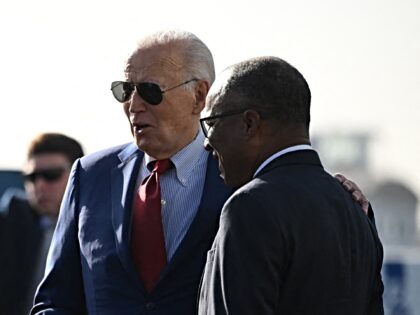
pixel 241 274
pixel 61 290
pixel 376 301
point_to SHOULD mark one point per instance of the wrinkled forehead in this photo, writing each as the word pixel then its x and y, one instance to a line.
pixel 156 60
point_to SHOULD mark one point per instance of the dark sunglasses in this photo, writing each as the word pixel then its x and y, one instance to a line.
pixel 49 175
pixel 150 92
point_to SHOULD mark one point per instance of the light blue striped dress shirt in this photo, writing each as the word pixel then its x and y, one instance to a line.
pixel 181 190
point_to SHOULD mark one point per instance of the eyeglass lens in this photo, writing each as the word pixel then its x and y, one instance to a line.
pixel 205 127
pixel 150 92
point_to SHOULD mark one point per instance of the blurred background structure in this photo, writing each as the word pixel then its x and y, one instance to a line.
pixel 397 213
pixel 360 58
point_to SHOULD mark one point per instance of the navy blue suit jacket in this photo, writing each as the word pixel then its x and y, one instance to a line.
pixel 90 270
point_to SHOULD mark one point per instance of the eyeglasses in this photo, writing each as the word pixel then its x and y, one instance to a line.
pixel 206 124
pixel 49 175
pixel 150 92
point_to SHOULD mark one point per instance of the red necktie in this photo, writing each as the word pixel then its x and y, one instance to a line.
pixel 147 240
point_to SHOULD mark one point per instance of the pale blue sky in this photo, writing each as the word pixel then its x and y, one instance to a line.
pixel 361 59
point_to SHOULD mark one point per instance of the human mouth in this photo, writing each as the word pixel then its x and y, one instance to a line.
pixel 140 128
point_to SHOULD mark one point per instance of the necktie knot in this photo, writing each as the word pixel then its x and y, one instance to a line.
pixel 161 166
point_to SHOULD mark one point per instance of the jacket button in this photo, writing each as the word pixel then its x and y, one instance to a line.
pixel 150 306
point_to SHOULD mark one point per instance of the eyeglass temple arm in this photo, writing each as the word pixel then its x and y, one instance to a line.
pixel 173 87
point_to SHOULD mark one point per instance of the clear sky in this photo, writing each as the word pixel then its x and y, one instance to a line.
pixel 361 59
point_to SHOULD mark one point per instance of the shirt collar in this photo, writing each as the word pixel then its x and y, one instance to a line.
pixel 185 159
pixel 282 152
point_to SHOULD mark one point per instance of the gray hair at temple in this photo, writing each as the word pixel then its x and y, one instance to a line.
pixel 273 87
pixel 198 60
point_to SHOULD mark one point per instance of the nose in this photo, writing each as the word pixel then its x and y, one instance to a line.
pixel 136 103
pixel 207 145
pixel 40 183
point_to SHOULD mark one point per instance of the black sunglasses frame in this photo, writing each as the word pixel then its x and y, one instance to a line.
pixel 49 175
pixel 150 92
pixel 203 120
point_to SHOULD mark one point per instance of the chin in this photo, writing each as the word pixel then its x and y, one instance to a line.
pixel 228 181
pixel 154 151
pixel 142 144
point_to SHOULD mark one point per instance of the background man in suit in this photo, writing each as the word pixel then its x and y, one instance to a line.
pixel 97 263
pixel 291 240
pixel 27 224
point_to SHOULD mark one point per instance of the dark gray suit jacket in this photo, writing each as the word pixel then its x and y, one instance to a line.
pixel 292 241
pixel 21 237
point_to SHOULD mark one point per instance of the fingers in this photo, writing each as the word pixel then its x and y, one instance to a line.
pixel 361 199
pixel 340 178
pixel 355 191
pixel 349 185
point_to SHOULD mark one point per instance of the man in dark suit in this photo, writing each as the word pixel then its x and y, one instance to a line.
pixel 28 220
pixel 291 240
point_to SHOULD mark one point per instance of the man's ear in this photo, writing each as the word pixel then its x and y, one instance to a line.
pixel 252 121
pixel 200 92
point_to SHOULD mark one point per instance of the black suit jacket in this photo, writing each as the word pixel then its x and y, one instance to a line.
pixel 292 241
pixel 21 236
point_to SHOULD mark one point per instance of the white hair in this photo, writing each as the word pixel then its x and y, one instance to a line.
pixel 198 60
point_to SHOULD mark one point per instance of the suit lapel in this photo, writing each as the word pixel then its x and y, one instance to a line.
pixel 123 183
pixel 206 221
